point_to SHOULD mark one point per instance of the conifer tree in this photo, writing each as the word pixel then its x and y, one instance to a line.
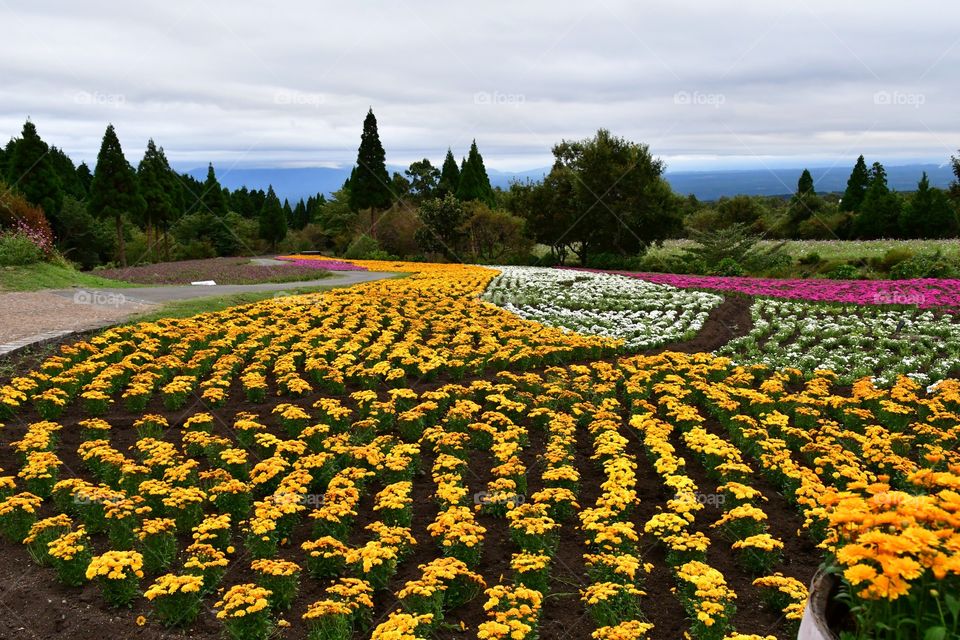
pixel 212 197
pixel 273 221
pixel 158 188
pixel 369 181
pixel 879 214
pixel 929 214
pixel 474 183
pixel 805 184
pixel 31 171
pixel 114 193
pixel 449 176
pixel 856 186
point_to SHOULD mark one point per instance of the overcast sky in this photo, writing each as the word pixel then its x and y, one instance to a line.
pixel 719 84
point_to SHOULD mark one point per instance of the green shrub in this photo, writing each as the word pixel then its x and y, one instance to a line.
pixel 361 248
pixel 931 265
pixel 727 267
pixel 16 249
pixel 810 259
pixel 844 272
pixel 613 262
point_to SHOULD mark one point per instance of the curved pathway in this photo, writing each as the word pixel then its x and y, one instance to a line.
pixel 36 316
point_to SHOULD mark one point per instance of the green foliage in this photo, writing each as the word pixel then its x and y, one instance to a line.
pixel 640 210
pixel 273 220
pixel 857 186
pixel 449 176
pixel 930 265
pixel 879 215
pixel 474 183
pixel 424 178
pixel 490 234
pixel 86 240
pixel 844 272
pixel 158 187
pixel 929 214
pixel 364 247
pixel 212 197
pixel 30 167
pixel 17 249
pixel 805 184
pixel 719 250
pixel 114 191
pixel 370 182
pixel 442 222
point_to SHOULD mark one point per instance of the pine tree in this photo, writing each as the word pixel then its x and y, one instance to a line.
pixel 114 192
pixel 879 214
pixel 158 189
pixel 449 176
pixel 856 186
pixel 85 176
pixel 30 169
pixel 805 184
pixel 369 181
pixel 929 214
pixel 273 222
pixel 212 196
pixel 474 183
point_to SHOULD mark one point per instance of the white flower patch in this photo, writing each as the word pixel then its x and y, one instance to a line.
pixel 642 314
pixel 853 341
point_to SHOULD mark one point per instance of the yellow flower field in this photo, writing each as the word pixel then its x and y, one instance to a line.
pixel 403 460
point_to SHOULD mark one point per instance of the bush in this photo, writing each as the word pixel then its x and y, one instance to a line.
pixel 17 249
pixel 363 247
pixel 891 258
pixel 811 259
pixel 931 265
pixel 727 267
pixel 844 272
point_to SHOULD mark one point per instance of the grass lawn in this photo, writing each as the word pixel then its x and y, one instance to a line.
pixel 46 275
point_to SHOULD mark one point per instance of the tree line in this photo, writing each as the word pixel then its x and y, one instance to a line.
pixel 604 200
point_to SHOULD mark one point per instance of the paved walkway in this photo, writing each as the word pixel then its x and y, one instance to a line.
pixel 36 316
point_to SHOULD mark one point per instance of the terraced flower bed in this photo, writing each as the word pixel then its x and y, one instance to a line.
pixel 642 315
pixel 925 293
pixel 403 460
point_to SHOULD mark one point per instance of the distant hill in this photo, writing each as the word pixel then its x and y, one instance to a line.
pixel 294 184
pixel 711 185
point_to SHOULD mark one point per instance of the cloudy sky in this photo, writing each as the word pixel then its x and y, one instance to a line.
pixel 722 84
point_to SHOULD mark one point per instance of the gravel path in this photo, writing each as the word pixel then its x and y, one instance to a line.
pixel 37 314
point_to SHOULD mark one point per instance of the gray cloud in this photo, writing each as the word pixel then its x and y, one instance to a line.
pixel 722 84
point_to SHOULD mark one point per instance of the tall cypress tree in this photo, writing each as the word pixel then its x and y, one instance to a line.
pixel 31 170
pixel 856 186
pixel 929 214
pixel 449 176
pixel 474 183
pixel 369 181
pixel 212 196
pixel 158 189
pixel 879 214
pixel 273 221
pixel 805 184
pixel 114 192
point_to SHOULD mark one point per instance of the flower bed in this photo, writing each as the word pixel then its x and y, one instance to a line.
pixel 926 293
pixel 643 315
pixel 403 460
pixel 853 340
